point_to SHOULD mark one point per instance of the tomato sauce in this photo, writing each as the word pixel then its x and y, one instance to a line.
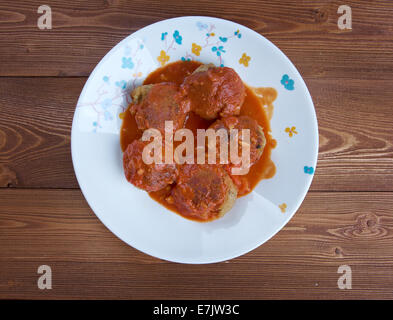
pixel 257 105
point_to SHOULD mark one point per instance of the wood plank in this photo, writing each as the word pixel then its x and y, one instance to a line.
pixel 56 227
pixel 355 132
pixel 305 30
pixel 355 123
pixel 35 127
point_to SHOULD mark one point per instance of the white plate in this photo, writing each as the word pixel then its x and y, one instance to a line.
pixel 129 212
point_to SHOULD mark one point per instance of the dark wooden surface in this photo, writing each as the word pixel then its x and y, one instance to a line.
pixel 347 218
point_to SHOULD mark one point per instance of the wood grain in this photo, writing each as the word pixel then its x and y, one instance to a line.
pixel 346 219
pixel 56 227
pixel 35 123
pixel 356 143
pixel 83 31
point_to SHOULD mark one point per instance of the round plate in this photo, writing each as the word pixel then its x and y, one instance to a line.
pixel 129 212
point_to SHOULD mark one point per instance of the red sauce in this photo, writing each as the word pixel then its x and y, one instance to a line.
pixel 257 105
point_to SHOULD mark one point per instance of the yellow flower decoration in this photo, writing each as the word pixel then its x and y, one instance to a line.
pixel 291 131
pixel 163 58
pixel 196 49
pixel 245 59
pixel 283 207
pixel 137 75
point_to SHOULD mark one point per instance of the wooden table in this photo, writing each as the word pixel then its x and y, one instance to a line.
pixel 346 218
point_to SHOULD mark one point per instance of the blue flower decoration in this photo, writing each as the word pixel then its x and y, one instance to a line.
pixel 141 46
pixel 223 39
pixel 178 38
pixel 107 116
pixel 106 79
pixel 127 63
pixel 201 25
pixel 238 34
pixel 218 50
pixel 121 84
pixel 163 35
pixel 308 170
pixel 287 82
pixel 106 103
pixel 184 59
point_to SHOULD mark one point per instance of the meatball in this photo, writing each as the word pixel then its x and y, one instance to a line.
pixel 212 91
pixel 155 104
pixel 203 192
pixel 149 177
pixel 257 137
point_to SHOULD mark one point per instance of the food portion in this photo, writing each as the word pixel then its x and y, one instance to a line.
pixel 155 104
pixel 149 177
pixel 213 91
pixel 204 192
pixel 197 96
pixel 257 137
